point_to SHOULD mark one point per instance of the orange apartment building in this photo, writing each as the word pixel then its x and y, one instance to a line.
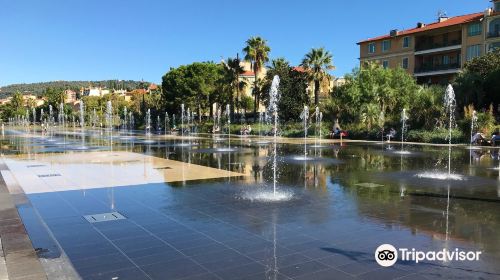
pixel 436 52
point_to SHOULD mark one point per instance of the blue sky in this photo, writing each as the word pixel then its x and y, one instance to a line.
pixel 124 39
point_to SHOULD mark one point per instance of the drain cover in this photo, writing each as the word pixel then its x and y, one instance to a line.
pixel 166 167
pixel 104 217
pixel 35 165
pixel 49 175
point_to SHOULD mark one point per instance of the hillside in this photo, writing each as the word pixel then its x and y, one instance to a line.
pixel 39 88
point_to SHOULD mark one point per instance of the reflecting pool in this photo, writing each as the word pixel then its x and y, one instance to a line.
pixel 196 209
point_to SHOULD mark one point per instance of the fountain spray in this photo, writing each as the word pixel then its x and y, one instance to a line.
pixel 305 116
pixel 472 125
pixel 148 122
pixel 228 114
pixel 404 118
pixel 273 110
pixel 450 103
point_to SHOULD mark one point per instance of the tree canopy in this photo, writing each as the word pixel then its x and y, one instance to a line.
pixel 196 85
pixel 479 83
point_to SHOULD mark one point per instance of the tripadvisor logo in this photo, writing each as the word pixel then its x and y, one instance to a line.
pixel 387 255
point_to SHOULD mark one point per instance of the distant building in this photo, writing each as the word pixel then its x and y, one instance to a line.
pixel 436 52
pixel 94 91
pixel 4 101
pixel 152 87
pixel 69 96
pixel 337 82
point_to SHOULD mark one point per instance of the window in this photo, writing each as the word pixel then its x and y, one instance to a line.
pixel 446 60
pixel 385 63
pixel 494 46
pixel 386 45
pixel 406 42
pixel 473 51
pixel 404 64
pixel 474 29
pixel 371 48
pixel 494 28
pixel 497 7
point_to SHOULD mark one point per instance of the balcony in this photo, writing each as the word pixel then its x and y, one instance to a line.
pixel 432 46
pixel 494 34
pixel 430 69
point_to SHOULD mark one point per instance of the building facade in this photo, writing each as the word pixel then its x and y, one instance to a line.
pixel 436 52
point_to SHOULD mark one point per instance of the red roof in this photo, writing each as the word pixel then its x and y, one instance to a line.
pixel 435 25
pixel 299 69
pixel 247 73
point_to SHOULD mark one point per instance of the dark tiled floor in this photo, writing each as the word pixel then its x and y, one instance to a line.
pixel 205 230
pixel 165 238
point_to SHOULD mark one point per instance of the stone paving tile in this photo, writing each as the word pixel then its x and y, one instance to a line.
pixel 176 269
pixel 384 273
pixel 358 268
pixel 302 268
pixel 327 274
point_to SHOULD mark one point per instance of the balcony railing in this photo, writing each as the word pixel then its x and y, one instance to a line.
pixel 431 68
pixel 494 34
pixel 430 46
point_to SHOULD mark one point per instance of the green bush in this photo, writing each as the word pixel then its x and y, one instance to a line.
pixel 437 136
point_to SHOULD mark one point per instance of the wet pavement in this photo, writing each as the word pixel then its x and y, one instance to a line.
pixel 340 209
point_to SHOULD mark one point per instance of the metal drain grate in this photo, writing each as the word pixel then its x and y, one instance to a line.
pixel 35 165
pixel 49 175
pixel 104 217
pixel 165 167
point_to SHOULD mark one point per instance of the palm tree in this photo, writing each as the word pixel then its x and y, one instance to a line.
pixel 317 62
pixel 233 72
pixel 257 53
pixel 279 63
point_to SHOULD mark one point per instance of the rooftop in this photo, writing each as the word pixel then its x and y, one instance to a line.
pixel 431 26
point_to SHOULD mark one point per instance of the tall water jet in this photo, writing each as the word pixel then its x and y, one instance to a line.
pixel 125 119
pixel 404 119
pixel 82 114
pixel 60 117
pixel 273 110
pixel 182 120
pixel 131 120
pixel 50 115
pixel 109 116
pixel 473 122
pixel 317 128
pixel 304 116
pixel 158 124
pixel 228 114
pixel 450 103
pixel 215 126
pixel 188 120
pixel 218 118
pixel 109 123
pixel 167 123
pixel 34 115
pixel 261 115
pixel 147 122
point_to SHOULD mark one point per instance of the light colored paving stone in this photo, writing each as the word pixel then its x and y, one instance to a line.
pixel 89 170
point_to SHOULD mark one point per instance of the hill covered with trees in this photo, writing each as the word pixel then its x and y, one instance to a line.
pixel 40 88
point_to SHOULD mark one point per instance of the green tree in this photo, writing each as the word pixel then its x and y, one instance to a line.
pixel 256 52
pixel 54 96
pixel 317 63
pixel 196 85
pixel 373 95
pixel 232 74
pixel 293 89
pixel 479 82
